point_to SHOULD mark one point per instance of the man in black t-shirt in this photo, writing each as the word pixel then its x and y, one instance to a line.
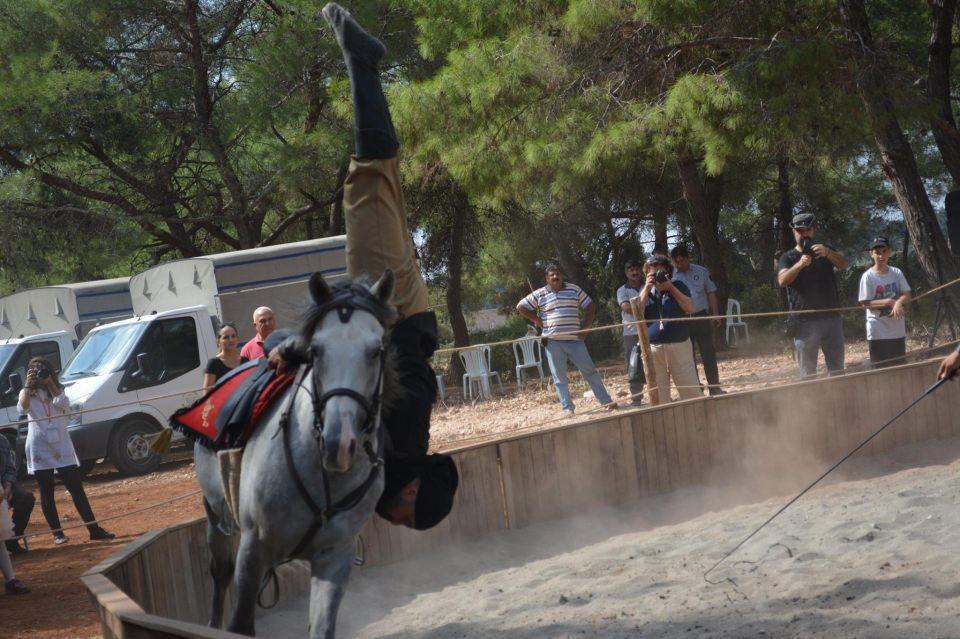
pixel 807 271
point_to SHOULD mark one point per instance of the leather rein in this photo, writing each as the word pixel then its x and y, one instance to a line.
pixel 344 305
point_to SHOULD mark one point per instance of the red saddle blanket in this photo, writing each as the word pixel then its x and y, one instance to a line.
pixel 226 416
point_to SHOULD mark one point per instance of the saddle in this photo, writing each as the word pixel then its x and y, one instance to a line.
pixel 227 415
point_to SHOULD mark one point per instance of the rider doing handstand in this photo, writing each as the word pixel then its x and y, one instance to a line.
pixel 419 488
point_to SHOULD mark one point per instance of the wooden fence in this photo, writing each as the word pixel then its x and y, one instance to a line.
pixel 767 441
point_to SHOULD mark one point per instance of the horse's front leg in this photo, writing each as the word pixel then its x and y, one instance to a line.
pixel 221 564
pixel 329 572
pixel 249 574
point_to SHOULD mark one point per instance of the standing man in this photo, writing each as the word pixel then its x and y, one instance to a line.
pixel 264 322
pixel 556 308
pixel 703 292
pixel 807 271
pixel 884 293
pixel 633 287
pixel 19 499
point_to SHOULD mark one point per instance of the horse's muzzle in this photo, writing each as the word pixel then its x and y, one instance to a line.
pixel 340 429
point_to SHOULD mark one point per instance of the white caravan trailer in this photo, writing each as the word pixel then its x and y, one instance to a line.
pixel 128 377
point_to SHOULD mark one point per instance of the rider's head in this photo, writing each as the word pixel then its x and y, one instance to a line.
pixel 423 501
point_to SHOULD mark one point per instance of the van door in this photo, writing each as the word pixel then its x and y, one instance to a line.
pixel 165 371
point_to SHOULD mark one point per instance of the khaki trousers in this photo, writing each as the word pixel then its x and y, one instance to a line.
pixel 377 233
pixel 676 361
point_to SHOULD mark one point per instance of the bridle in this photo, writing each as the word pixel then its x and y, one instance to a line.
pixel 344 302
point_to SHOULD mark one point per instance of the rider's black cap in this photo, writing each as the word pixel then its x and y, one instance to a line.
pixel 438 486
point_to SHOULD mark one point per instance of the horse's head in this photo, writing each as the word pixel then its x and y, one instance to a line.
pixel 346 331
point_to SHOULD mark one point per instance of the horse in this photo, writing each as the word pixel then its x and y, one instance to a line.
pixel 312 469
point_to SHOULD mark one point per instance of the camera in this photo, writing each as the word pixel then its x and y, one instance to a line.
pixel 42 372
pixel 660 276
pixel 806 246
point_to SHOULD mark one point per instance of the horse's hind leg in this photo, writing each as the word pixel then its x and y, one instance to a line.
pixel 221 565
pixel 249 573
pixel 329 572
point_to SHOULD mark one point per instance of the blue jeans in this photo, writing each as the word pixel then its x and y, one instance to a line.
pixel 558 352
pixel 822 333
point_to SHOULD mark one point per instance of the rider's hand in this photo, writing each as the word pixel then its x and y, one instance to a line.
pixel 275 361
pixel 949 366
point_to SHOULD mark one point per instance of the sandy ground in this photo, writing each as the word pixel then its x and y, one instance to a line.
pixel 873 557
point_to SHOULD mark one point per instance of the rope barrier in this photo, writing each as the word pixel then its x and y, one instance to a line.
pixel 106 519
pixel 703 318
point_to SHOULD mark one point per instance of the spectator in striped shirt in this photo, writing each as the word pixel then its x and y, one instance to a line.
pixel 557 309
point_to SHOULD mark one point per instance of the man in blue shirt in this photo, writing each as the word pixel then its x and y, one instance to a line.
pixel 670 348
pixel 703 292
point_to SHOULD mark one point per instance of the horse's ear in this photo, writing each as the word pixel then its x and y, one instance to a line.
pixel 383 289
pixel 319 290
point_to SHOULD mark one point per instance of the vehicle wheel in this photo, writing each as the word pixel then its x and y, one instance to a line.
pixel 129 449
pixel 86 465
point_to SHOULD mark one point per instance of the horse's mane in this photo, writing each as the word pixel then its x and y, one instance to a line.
pixel 386 314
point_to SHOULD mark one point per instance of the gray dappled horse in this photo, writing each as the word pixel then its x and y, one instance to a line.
pixel 312 470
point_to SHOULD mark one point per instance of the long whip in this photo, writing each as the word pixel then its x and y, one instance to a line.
pixel 820 478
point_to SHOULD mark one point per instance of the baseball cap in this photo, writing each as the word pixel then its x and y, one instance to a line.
pixel 803 220
pixel 879 241
pixel 658 259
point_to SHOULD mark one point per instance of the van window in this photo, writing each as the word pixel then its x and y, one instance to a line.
pixel 168 350
pixel 26 352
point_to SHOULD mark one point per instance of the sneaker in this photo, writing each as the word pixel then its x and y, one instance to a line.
pixel 567 412
pixel 612 406
pixel 15 587
pixel 99 534
pixel 60 539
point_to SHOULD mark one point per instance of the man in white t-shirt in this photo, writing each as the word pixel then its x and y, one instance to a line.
pixel 884 294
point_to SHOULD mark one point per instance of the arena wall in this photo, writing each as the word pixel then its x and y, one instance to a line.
pixel 763 442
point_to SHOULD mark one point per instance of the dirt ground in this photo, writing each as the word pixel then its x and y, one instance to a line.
pixel 60 608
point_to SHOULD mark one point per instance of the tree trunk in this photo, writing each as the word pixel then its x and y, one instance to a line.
pixel 336 225
pixel 896 156
pixel 660 231
pixel 703 203
pixel 943 125
pixel 785 240
pixel 454 292
pixel 570 263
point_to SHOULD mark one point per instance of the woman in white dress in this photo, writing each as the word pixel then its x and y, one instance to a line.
pixel 50 449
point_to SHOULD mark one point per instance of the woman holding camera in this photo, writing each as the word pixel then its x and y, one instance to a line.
pixel 49 447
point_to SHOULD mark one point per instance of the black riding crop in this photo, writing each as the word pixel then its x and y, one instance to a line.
pixel 820 478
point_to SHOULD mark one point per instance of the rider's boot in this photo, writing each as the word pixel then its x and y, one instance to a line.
pixel 374 135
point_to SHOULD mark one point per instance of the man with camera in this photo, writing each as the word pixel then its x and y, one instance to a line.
pixel 670 348
pixel 808 272
pixel 556 307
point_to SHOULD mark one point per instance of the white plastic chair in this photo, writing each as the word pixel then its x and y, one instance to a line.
pixel 476 363
pixel 526 353
pixel 734 321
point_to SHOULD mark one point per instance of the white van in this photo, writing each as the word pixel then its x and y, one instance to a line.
pixel 128 377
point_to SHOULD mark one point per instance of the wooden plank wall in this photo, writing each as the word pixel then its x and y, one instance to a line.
pixel 766 442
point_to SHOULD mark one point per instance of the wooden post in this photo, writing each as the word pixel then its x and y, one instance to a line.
pixel 647 358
